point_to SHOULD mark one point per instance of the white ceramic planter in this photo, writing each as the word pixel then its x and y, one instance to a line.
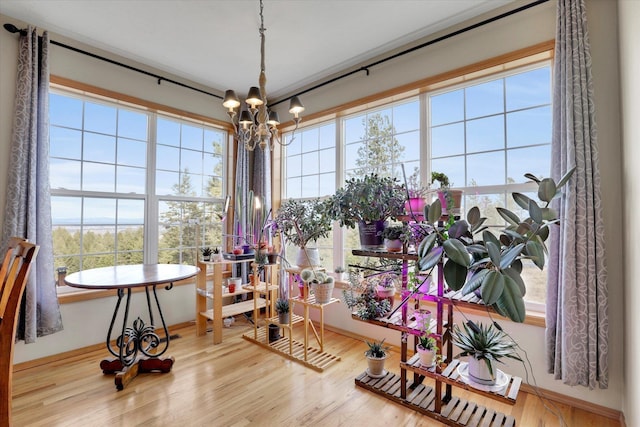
pixel 427 357
pixel 479 371
pixel 308 257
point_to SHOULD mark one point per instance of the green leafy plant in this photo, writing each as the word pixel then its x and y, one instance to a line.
pixel 362 298
pixel 476 260
pixel 442 178
pixel 370 198
pixel 303 221
pixel 427 342
pixel 393 232
pixel 215 250
pixel 376 349
pixel 282 305
pixel 484 342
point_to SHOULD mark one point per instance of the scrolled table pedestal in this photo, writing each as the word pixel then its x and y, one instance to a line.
pixel 125 374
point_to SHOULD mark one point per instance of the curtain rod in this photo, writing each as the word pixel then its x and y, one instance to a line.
pixel 365 68
pixel 13 29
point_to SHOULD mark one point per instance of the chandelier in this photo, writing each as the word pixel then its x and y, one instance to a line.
pixel 256 125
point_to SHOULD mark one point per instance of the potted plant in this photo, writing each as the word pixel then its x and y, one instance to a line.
pixel 376 355
pixel 302 223
pixel 427 348
pixel 368 202
pixel 393 235
pixel 486 345
pixel 476 260
pixel 450 200
pixel 340 273
pixel 282 308
pixel 321 284
pixel 206 253
pixel 362 298
pixel 416 194
pixel 216 255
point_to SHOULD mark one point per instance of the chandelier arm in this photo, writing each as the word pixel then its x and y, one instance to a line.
pixel 262 130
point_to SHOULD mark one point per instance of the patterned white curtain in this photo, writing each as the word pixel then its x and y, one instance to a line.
pixel 28 208
pixel 577 323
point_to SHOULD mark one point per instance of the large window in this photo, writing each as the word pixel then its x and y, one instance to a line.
pixel 485 134
pixel 129 185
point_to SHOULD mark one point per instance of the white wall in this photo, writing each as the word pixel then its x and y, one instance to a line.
pixel 519 31
pixel 629 33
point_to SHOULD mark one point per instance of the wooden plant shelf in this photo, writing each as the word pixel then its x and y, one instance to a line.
pixel 315 359
pixel 395 322
pixel 233 309
pixel 450 375
pixel 421 398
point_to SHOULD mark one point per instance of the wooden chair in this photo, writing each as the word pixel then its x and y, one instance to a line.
pixel 14 273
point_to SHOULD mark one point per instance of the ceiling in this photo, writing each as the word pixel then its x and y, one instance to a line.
pixel 216 42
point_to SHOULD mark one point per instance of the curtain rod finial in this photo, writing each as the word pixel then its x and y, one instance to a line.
pixel 12 28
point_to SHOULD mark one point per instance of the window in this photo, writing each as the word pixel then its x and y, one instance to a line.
pixel 485 134
pixel 129 185
pixel 310 172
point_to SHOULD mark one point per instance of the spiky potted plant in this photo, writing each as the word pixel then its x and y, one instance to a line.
pixel 485 345
pixel 282 308
pixel 427 348
pixel 206 253
pixel 376 356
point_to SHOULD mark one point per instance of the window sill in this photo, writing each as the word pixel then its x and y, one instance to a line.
pixel 68 294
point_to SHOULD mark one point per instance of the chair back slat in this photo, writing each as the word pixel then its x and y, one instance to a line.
pixel 14 272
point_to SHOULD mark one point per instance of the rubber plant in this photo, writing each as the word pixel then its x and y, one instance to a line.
pixel 477 260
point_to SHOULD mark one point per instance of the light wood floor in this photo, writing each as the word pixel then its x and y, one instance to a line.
pixel 235 383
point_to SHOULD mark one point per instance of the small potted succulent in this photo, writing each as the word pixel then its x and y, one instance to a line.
pixel 282 308
pixel 376 356
pixel 393 235
pixel 340 273
pixel 450 200
pixel 321 284
pixel 427 348
pixel 416 194
pixel 361 297
pixel 486 345
pixel 216 255
pixel 206 253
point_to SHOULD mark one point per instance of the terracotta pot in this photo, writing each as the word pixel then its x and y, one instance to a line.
pixel 375 366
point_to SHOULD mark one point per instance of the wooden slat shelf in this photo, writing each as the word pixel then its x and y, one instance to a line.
pixel 237 308
pixel 450 375
pixel 294 319
pixel 421 398
pixel 437 402
pixel 294 350
pixel 395 322
pixel 311 301
pixel 385 254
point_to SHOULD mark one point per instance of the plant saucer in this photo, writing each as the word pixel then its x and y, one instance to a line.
pixel 384 373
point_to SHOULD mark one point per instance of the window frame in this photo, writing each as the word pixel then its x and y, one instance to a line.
pixel 151 200
pixel 500 67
